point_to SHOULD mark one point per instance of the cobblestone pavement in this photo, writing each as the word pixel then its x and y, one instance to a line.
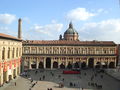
pixel 115 73
pixel 54 77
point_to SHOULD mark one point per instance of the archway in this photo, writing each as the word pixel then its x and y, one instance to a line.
pixel 83 65
pixel 76 65
pixel 48 62
pixel 62 66
pixel 55 64
pixel 104 65
pixel 33 65
pixel 41 65
pixel 91 62
pixel 69 66
pixel 111 65
pixel 98 65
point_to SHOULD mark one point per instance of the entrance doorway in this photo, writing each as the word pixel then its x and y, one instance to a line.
pixel 33 66
pixel 83 65
pixel 48 62
pixel 10 77
pixel 104 65
pixel 69 66
pixel 91 62
pixel 55 64
pixel 41 65
pixel 14 73
pixel 76 65
pixel 111 65
pixel 62 66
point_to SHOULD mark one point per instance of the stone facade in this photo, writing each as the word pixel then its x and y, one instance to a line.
pixel 10 57
pixel 69 53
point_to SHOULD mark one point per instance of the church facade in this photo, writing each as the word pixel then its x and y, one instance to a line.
pixel 68 52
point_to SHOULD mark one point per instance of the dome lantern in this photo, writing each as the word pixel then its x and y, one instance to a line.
pixel 71 33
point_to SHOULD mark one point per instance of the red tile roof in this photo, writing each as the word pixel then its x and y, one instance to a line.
pixel 65 42
pixel 8 36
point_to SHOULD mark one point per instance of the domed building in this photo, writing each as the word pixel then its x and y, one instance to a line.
pixel 71 34
pixel 69 52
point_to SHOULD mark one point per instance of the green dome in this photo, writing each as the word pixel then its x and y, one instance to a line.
pixel 71 30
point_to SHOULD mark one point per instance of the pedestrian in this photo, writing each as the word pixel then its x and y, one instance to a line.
pixel 101 76
pixel 82 88
pixel 15 83
pixel 88 83
pixel 40 79
pixel 31 80
pixel 59 76
pixel 43 77
pixel 63 79
pixel 74 85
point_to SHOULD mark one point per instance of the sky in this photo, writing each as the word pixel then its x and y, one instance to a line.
pixel 47 19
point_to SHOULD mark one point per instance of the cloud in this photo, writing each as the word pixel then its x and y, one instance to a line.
pixel 108 30
pixel 80 14
pixel 4 28
pixel 49 30
pixel 26 19
pixel 7 18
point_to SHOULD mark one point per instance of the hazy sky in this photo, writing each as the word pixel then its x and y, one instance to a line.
pixel 47 19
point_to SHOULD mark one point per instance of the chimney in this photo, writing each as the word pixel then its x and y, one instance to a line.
pixel 19 28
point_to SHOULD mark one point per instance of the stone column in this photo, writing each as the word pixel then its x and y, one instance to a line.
pixel 95 62
pixel 44 62
pixel 16 72
pixel 66 62
pixel 22 64
pixel 52 63
pixel 30 64
pixel 115 62
pixel 73 63
pixel 108 63
pixel 12 74
pixel 80 62
pixel 20 68
pixel 7 76
pixel 87 62
pixel 37 63
pixel 58 62
pixel 1 76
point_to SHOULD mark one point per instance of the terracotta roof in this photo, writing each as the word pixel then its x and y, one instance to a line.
pixel 65 42
pixel 8 37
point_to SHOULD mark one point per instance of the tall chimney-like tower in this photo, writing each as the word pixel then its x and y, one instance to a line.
pixel 20 28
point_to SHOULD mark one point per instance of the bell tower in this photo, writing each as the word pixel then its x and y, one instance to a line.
pixel 20 28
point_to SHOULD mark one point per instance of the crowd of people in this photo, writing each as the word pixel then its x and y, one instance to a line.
pixel 42 77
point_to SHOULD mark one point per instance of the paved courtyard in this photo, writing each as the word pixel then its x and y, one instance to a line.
pixel 44 79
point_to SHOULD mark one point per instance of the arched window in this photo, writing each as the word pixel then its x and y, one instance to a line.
pixel 13 53
pixel 3 53
pixel 8 53
pixel 20 52
pixel 17 52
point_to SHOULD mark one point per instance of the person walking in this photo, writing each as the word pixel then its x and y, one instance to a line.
pixel 15 83
pixel 82 88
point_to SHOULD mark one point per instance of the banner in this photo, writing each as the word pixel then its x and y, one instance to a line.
pixel 5 67
pixel 10 64
pixel 14 63
pixel 0 65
